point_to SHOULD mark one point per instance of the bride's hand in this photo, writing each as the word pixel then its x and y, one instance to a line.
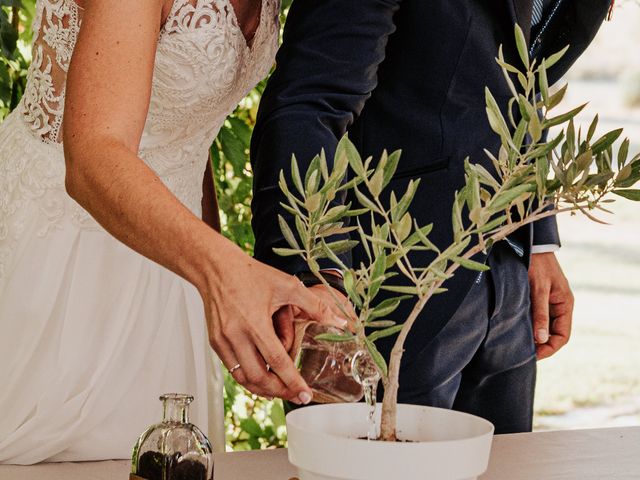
pixel 240 314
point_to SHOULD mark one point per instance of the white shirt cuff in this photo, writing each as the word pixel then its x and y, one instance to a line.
pixel 545 248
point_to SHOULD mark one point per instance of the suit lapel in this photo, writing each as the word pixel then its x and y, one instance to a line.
pixel 521 11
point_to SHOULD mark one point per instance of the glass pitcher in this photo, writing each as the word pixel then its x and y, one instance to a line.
pixel 335 371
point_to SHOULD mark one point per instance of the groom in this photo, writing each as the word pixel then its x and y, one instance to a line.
pixel 410 75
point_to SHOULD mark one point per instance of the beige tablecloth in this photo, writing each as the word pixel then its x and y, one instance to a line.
pixel 604 454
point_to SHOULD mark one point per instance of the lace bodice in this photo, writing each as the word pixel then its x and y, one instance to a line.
pixel 203 68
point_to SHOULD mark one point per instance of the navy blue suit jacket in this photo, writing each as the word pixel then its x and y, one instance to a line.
pixel 400 74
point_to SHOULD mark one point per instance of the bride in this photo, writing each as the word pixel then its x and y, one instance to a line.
pixel 91 332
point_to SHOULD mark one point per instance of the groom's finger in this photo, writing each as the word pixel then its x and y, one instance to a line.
pixel 315 307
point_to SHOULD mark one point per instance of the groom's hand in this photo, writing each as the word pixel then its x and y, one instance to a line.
pixel 551 304
pixel 285 318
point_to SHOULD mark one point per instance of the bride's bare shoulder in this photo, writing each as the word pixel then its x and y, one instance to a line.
pixel 110 76
pixel 163 6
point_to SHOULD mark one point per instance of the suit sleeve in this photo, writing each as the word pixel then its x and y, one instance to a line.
pixel 576 26
pixel 325 71
pixel 545 232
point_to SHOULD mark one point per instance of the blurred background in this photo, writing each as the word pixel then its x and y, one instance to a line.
pixel 595 380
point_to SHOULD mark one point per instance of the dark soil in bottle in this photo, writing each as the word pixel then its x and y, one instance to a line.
pixel 152 464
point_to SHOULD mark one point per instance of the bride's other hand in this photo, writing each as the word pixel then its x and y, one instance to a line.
pixel 107 101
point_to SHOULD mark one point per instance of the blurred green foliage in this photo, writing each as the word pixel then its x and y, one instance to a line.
pixel 251 422
pixel 16 17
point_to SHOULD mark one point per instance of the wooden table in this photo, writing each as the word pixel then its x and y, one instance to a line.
pixel 603 454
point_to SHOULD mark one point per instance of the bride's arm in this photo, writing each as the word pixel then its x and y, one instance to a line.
pixel 108 90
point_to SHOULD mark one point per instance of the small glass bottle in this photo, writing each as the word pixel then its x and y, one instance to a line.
pixel 174 449
pixel 333 370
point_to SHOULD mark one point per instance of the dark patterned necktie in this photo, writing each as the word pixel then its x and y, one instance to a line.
pixel 538 9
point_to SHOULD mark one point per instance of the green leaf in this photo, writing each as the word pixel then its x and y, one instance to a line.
pixel 495 223
pixel 335 214
pixel 484 176
pixel 521 44
pixel 419 235
pixel 233 150
pixel 380 323
pixel 553 59
pixel 504 199
pixel 313 202
pixel 365 201
pixel 377 274
pixel 8 37
pixel 241 130
pixel 341 246
pixel 387 332
pixel 349 286
pixel 287 252
pixel 390 167
pixel 599 179
pixel 363 240
pixel 584 160
pixel 629 194
pixel 324 169
pixel 543 81
pixel 387 307
pixel 456 216
pixel 348 150
pixel 334 337
pixel 377 357
pixel 565 117
pixel 500 60
pixel 277 414
pixel 295 175
pixel 606 141
pixel 312 183
pixel 496 120
pixel 535 128
pixel 356 212
pixel 375 184
pixel 400 289
pixel 455 249
pixel 470 264
pixel 250 425
pixel 288 233
pixel 633 178
pixel 592 128
pixel 542 173
pixel 557 97
pixel 403 228
pixel 545 148
pixel 301 228
pixel 340 163
pixel 401 208
pixel 623 152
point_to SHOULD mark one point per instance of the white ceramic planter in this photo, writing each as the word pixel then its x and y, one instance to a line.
pixel 325 444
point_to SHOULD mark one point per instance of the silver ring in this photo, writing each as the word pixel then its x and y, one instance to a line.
pixel 234 368
pixel 268 367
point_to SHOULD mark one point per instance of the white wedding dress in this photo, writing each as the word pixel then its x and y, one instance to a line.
pixel 91 333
